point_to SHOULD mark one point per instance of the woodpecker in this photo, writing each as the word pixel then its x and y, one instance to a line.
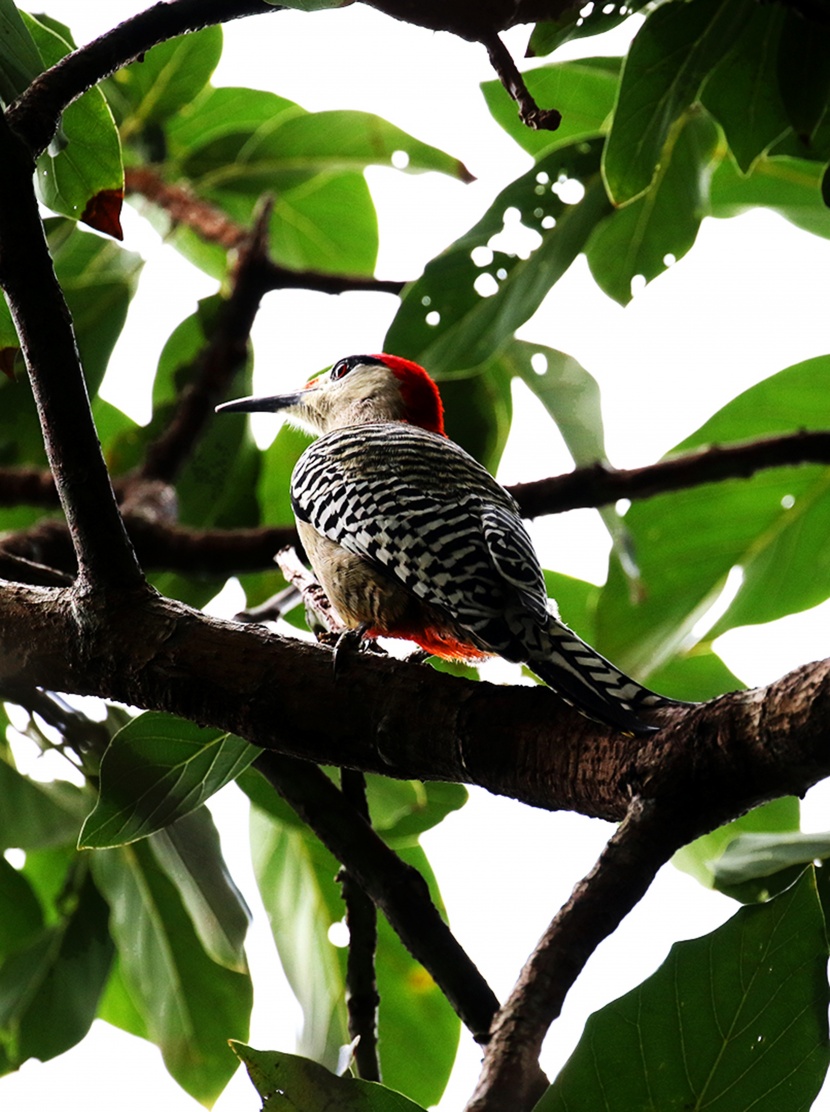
pixel 411 537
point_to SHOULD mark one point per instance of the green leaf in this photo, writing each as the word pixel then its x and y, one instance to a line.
pixel 742 92
pixel 190 854
pixel 418 1031
pixel 688 541
pixel 789 186
pixel 217 113
pixel 576 600
pixel 191 1006
pixel 49 990
pixel 478 409
pixel 737 1019
pixel 286 1081
pixel 577 23
pixel 117 1007
pixel 584 92
pixel 699 859
pixel 642 239
pixel 20 60
pixel 340 140
pixel 21 917
pixel 402 810
pixel 165 81
pixel 35 815
pixel 669 59
pixel 444 322
pixel 295 874
pixel 155 770
pixel 754 866
pixel 804 73
pixel 84 179
pixel 695 676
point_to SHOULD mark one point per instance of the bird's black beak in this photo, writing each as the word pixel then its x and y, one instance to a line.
pixel 261 405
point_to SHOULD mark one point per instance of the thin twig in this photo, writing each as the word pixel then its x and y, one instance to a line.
pixel 34 117
pixel 395 887
pixel 510 1080
pixel 312 594
pixel 183 206
pixel 540 119
pixel 362 997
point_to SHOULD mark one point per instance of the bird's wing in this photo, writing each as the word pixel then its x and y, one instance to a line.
pixel 417 506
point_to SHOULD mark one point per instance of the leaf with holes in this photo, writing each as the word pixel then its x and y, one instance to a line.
pixel 642 239
pixel 737 1019
pixel 471 298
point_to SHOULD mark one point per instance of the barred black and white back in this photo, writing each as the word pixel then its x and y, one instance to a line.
pixel 419 509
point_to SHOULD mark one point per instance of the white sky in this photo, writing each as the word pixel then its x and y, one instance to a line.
pixel 749 300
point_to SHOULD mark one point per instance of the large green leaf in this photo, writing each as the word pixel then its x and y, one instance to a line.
pixel 286 1081
pixel 191 1005
pixel 642 239
pixel 734 1020
pixel 584 92
pixel 190 854
pixel 156 770
pixel 755 866
pixel 742 92
pixel 418 1031
pixel 20 60
pixel 217 113
pixel 49 989
pixel 576 23
pixel 165 80
pixel 804 78
pixel 445 322
pixel 688 541
pixel 672 55
pixel 81 175
pixel 21 916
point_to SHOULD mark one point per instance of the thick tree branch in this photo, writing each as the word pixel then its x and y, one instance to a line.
pixel 398 889
pixel 36 114
pixel 38 308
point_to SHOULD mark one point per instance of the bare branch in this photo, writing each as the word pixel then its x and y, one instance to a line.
pixel 398 889
pixel 104 554
pixel 34 117
pixel 540 119
pixel 362 998
pixel 510 1080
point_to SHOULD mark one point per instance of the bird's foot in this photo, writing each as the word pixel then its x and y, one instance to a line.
pixel 353 640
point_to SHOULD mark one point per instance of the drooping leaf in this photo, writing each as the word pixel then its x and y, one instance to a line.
pixel 755 866
pixel 673 53
pixel 49 989
pixel 190 853
pixel 699 858
pixel 743 93
pixel 577 23
pixel 789 186
pixel 737 1019
pixel 84 178
pixel 191 1006
pixel 286 1081
pixel 418 1030
pixel 156 770
pixel 652 232
pixel 20 60
pixel 21 916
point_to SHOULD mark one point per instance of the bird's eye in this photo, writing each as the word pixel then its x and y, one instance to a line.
pixel 339 369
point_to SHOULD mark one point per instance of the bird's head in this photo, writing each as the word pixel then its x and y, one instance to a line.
pixel 356 391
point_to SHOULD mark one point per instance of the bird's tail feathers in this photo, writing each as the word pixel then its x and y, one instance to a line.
pixel 592 684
